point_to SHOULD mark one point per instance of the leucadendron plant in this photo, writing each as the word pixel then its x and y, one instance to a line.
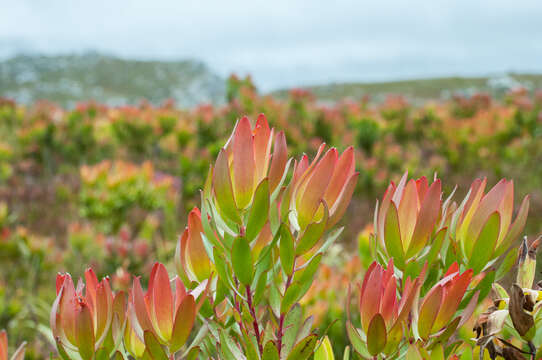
pixel 416 225
pixel 89 321
pixel 251 251
pixel 442 260
pixel 263 230
pixel 395 316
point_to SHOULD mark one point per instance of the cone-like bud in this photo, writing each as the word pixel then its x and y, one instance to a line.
pixel 382 312
pixel 484 227
pixel 322 188
pixel 441 302
pixel 407 217
pixel 81 318
pixel 168 314
pixel 244 163
pixel 191 258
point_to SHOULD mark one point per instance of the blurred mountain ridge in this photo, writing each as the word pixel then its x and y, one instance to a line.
pixel 115 81
pixel 424 89
pixel 68 79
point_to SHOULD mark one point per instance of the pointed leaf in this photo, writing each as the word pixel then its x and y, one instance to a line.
pixel 312 234
pixel 241 258
pixel 270 351
pixel 292 321
pixel 153 347
pixel 484 246
pixel 324 351
pixel 427 218
pixel 376 335
pixel 429 311
pixel 184 321
pixel 223 189
pixel 259 211
pixel 84 331
pixel 286 250
pixel 304 349
pixel 392 237
pixel 244 166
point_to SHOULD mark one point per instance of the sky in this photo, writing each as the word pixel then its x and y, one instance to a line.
pixel 285 43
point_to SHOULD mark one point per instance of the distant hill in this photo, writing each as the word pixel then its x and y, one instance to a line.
pixel 424 89
pixel 68 79
pixel 106 79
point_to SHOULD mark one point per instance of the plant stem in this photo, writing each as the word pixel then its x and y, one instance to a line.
pixel 255 321
pixel 280 332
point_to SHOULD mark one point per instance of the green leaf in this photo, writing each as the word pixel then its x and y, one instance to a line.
pixel 312 234
pixel 306 328
pixel 429 311
pixel 292 322
pixel 448 331
pixel 274 299
pixel 266 251
pixel 324 351
pixel 228 348
pixel 85 333
pixel 250 347
pixel 184 321
pixel 306 277
pixel 193 353
pixel 346 355
pixel 222 268
pixel 260 289
pixel 118 356
pixel 290 298
pixel 208 229
pixel 61 351
pixel 286 250
pixel 357 342
pixel 331 238
pixel 270 351
pixel 438 353
pixel 507 264
pixel 223 189
pixel 392 237
pixel 484 287
pixel 259 210
pixel 376 335
pixel 436 246
pixel 153 346
pixel 303 349
pixel 101 354
pixel 241 258
pixel 413 353
pixel 484 247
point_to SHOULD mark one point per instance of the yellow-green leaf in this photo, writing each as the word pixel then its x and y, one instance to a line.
pixel 376 335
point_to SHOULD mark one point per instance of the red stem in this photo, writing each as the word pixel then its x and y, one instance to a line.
pixel 255 321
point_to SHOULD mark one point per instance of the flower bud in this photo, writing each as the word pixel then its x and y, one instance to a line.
pixel 484 229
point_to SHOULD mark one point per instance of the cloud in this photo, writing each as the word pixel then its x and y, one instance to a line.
pixel 285 43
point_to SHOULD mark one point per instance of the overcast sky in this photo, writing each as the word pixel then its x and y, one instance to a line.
pixel 287 42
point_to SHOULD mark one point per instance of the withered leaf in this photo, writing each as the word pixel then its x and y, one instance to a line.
pixel 522 321
pixel 510 353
